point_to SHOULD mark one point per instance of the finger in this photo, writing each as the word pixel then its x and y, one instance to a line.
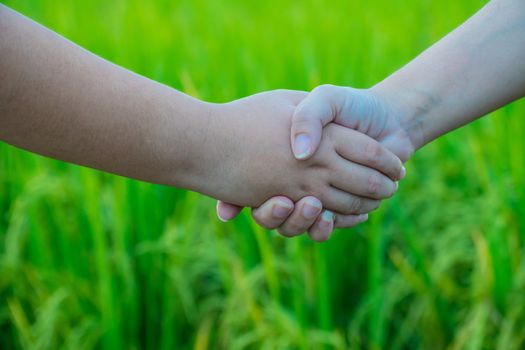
pixel 348 204
pixel 364 150
pixel 306 211
pixel 315 111
pixel 227 211
pixel 273 212
pixel 322 229
pixel 362 181
pixel 347 221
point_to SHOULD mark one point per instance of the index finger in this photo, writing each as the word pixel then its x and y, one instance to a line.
pixel 359 148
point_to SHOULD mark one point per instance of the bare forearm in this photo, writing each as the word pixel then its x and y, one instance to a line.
pixel 474 70
pixel 61 101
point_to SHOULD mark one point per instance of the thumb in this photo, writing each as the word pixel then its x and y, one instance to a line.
pixel 311 115
pixel 227 211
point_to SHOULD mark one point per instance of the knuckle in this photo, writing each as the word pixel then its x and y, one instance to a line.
pixel 374 184
pixel 301 115
pixel 305 188
pixel 324 88
pixel 319 185
pixel 367 205
pixel 373 153
pixel 355 205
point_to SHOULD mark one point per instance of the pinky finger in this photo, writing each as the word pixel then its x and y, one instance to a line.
pixel 346 221
pixel 323 226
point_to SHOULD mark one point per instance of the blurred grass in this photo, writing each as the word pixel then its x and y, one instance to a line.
pixel 90 260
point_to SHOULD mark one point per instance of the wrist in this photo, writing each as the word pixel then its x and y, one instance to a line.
pixel 183 142
pixel 208 150
pixel 410 109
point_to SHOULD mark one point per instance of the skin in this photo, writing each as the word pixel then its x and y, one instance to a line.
pixel 473 71
pixel 59 100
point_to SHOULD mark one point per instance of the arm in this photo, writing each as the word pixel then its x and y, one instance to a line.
pixel 474 70
pixel 61 101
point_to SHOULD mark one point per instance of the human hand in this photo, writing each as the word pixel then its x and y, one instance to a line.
pixel 364 110
pixel 426 99
pixel 292 219
pixel 264 121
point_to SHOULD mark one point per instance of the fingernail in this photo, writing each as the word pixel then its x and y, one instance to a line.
pixel 403 173
pixel 362 217
pixel 327 216
pixel 311 208
pixel 301 146
pixel 281 209
pixel 219 214
pixel 397 185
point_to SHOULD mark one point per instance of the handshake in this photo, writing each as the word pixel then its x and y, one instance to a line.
pixel 305 162
pixel 347 152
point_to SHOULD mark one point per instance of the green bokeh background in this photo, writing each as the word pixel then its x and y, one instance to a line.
pixel 91 260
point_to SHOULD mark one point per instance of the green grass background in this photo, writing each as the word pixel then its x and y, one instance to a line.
pixel 91 260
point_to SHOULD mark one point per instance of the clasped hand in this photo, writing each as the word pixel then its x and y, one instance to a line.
pixel 353 139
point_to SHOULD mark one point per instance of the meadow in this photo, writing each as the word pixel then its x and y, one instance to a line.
pixel 91 260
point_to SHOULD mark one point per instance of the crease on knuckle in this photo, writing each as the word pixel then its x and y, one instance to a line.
pixel 374 184
pixel 355 205
pixel 323 89
pixel 305 189
pixel 373 153
pixel 301 117
pixel 318 183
